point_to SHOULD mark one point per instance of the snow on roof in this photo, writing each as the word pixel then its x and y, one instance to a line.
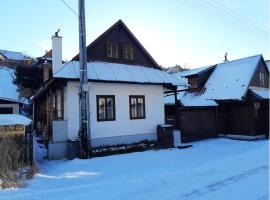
pixel 102 71
pixel 181 81
pixel 261 92
pixel 14 119
pixel 12 55
pixel 192 71
pixel 189 99
pixel 8 90
pixel 169 100
pixel 230 80
pixel 192 99
pixel 267 62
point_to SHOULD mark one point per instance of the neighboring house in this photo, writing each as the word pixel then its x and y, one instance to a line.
pixel 10 102
pixel 230 98
pixel 13 56
pixel 267 62
pixel 126 94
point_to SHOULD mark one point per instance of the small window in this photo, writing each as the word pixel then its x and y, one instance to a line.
pixel 59 104
pixel 112 50
pixel 105 108
pixel 127 52
pixel 262 78
pixel 137 107
pixel 193 83
pixel 6 110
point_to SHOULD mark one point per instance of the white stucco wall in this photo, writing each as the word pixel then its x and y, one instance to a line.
pixel 122 126
pixel 15 107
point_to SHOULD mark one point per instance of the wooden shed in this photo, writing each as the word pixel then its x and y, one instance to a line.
pixel 230 99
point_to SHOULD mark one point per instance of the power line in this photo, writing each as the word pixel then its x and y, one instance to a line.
pixel 232 19
pixel 229 20
pixel 239 15
pixel 69 7
pixel 212 11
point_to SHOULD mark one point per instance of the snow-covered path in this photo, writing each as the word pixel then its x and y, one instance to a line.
pixel 212 169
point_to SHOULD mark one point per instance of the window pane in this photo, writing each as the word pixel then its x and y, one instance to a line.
pixel 101 108
pixel 133 105
pixel 109 109
pixel 59 103
pixel 140 108
pixel 127 52
pixel 112 50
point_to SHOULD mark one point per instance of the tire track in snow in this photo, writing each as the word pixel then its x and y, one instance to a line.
pixel 220 184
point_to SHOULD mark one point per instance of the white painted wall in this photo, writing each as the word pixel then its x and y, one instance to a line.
pixel 56 53
pixel 122 126
pixel 14 106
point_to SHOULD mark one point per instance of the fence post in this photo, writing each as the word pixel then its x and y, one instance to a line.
pixel 29 148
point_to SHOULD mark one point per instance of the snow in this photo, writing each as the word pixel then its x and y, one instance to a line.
pixel 230 80
pixel 103 71
pixel 12 55
pixel 267 62
pixel 14 119
pixel 261 92
pixel 181 80
pixel 189 99
pixel 8 90
pixel 193 71
pixel 212 169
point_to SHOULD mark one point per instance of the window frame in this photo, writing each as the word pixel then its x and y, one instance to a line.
pixel 193 82
pixel 97 107
pixel 59 109
pixel 137 97
pixel 117 50
pixel 126 52
pixel 262 78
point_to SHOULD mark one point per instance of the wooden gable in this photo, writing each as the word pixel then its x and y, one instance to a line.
pixel 261 75
pixel 120 36
pixel 198 80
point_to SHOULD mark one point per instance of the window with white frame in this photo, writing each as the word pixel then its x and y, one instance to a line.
pixel 262 78
pixel 105 108
pixel 112 50
pixel 137 107
pixel 127 52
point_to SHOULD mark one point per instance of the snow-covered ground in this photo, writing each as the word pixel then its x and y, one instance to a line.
pixel 212 169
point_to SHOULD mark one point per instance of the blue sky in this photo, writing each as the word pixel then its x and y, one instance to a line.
pixel 190 33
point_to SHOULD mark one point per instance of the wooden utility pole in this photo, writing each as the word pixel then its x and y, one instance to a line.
pixel 84 131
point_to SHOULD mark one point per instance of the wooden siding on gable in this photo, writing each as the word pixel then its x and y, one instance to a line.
pixel 256 79
pixel 119 34
pixel 200 79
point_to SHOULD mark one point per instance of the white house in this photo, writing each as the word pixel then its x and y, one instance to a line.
pixel 9 96
pixel 126 94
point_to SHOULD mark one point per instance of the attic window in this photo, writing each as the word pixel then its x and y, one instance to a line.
pixel 112 50
pixel 262 78
pixel 193 83
pixel 127 52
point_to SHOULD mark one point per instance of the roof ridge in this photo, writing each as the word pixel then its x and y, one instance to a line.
pixel 239 59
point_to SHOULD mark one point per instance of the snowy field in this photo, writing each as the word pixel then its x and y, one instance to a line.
pixel 212 169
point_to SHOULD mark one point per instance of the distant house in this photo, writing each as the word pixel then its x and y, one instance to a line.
pixel 13 56
pixel 267 62
pixel 229 99
pixel 126 93
pixel 10 102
